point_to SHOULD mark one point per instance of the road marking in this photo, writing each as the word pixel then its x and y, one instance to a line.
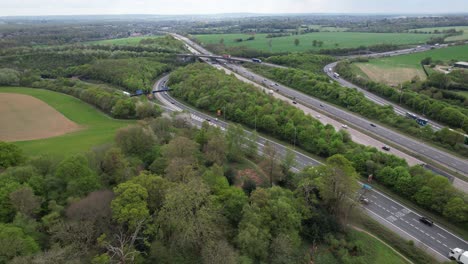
pixel 439 241
pixel 407 233
pixel 394 208
pixel 441 235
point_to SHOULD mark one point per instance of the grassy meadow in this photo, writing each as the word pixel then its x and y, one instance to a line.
pixel 98 127
pixel 402 68
pixel 131 41
pixel 464 36
pixel 331 40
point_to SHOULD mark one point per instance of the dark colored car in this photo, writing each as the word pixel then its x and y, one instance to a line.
pixel 387 148
pixel 207 119
pixel 321 105
pixel 426 221
pixel 294 102
pixel 373 125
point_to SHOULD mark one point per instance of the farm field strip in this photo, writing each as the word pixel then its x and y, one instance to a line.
pixel 331 40
pixel 97 127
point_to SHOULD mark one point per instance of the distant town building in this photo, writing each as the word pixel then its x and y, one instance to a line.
pixel 461 64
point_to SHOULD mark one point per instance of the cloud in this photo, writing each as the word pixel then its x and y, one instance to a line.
pixel 73 7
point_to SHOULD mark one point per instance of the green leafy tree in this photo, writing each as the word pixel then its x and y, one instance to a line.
pixel 135 140
pixel 297 42
pixel 14 242
pixel 10 155
pixel 124 108
pixel 130 204
pixel 457 210
pixel 188 220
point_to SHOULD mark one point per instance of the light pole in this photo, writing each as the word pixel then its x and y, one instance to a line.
pixel 401 92
pixel 255 121
pixel 295 132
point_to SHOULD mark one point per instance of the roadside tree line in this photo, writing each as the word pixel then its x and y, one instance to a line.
pixel 211 90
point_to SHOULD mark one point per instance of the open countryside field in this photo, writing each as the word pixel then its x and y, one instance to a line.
pixel 331 40
pixel 27 118
pixel 464 36
pixel 398 69
pixel 131 41
pixel 96 127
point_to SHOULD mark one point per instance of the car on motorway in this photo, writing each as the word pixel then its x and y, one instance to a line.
pixel 387 148
pixel 318 116
pixel 294 102
pixel 372 125
pixel 172 102
pixel 321 105
pixel 276 84
pixel 207 119
pixel 344 126
pixel 364 200
pixel 426 221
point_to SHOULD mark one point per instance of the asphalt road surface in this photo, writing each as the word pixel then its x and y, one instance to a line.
pixel 434 239
pixel 455 163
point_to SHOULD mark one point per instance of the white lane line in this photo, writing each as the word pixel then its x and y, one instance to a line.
pixel 433 237
pixel 441 235
pixel 406 233
pixel 439 241
pixel 394 208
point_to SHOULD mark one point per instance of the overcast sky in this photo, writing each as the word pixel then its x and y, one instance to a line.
pixel 78 7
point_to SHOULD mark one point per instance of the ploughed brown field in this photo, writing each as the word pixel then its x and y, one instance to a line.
pixel 23 117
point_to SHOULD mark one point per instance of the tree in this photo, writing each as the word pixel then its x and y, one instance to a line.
pixel 24 201
pixel 188 219
pixel 337 183
pixel 10 155
pixel 181 154
pixel 147 109
pixel 114 166
pixel 135 140
pixel 9 77
pixel 297 42
pixel 314 43
pixel 215 149
pixel 235 141
pixel 270 154
pixel 7 186
pixel 129 205
pixel 457 210
pixel 74 177
pixel 219 252
pixel 14 242
pixel 221 41
pixel 156 186
pixel 124 108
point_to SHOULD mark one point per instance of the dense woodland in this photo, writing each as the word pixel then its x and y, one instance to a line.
pixel 319 86
pixel 165 192
pixel 210 90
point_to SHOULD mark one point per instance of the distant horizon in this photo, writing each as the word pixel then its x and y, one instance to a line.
pixel 27 8
pixel 241 13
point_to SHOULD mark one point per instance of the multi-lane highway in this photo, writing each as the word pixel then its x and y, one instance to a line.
pixel 435 239
pixel 410 144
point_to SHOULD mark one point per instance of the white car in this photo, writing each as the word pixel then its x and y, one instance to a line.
pixel 344 126
pixel 318 116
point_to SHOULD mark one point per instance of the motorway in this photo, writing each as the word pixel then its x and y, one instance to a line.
pixel 415 146
pixel 435 240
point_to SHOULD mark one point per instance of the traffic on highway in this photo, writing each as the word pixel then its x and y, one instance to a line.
pixel 390 213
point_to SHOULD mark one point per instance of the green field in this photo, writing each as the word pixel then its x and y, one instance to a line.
pixel 402 68
pixel 453 38
pixel 330 39
pixel 99 128
pixel 132 41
